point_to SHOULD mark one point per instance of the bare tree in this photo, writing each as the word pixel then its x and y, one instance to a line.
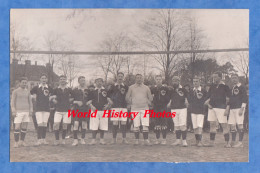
pixel 115 63
pixel 163 32
pixel 18 42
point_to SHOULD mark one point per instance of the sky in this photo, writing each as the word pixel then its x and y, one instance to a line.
pixel 223 28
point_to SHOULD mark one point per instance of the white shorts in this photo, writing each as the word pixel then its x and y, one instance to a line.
pixel 197 120
pixel 217 114
pixel 119 118
pixel 22 117
pixel 180 118
pixel 234 117
pixel 58 116
pixel 98 122
pixel 140 119
pixel 42 117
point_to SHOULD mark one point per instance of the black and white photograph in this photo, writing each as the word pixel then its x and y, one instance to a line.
pixel 129 85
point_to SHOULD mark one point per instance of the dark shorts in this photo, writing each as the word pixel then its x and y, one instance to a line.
pixel 160 121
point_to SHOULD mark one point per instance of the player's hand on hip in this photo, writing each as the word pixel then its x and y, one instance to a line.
pixel 241 110
pixel 226 113
pixel 209 106
pixel 93 108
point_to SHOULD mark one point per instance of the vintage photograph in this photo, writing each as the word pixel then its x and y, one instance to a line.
pixel 129 85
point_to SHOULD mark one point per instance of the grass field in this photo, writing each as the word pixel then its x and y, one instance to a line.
pixel 127 153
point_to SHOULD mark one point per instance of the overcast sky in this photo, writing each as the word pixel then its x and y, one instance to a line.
pixel 223 28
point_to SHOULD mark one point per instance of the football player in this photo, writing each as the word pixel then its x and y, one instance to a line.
pixel 179 104
pixel 42 93
pixel 218 104
pixel 197 98
pixel 118 93
pixel 139 98
pixel 99 101
pixel 22 108
pixel 80 96
pixel 61 97
pixel 238 100
pixel 161 98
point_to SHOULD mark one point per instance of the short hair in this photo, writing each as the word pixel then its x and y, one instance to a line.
pixel 187 85
pixel 176 77
pixel 120 73
pixel 158 76
pixel 23 78
pixel 81 77
pixel 234 74
pixel 138 75
pixel 91 86
pixel 43 74
pixel 63 76
pixel 99 79
pixel 196 77
pixel 218 73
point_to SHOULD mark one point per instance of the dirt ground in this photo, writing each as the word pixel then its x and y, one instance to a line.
pixel 127 153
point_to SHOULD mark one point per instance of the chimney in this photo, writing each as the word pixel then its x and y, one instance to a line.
pixel 27 62
pixel 36 63
pixel 15 61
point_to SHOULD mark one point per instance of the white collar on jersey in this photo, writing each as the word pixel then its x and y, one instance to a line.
pixel 100 88
pixel 199 89
pixel 41 85
pixel 238 85
pixel 64 87
pixel 119 84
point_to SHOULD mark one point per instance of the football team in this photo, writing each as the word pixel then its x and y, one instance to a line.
pixel 225 106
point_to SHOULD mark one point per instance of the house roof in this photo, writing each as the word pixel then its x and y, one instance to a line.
pixel 32 72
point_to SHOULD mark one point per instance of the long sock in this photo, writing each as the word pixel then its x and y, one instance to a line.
pixel 226 136
pixel 197 137
pixel 44 129
pixel 75 134
pixel 136 135
pixel 83 133
pixel 64 131
pixel 164 133
pixel 39 132
pixel 57 135
pixel 145 135
pixel 114 130
pixel 184 134
pixel 212 136
pixel 123 131
pixel 157 133
pixel 102 132
pixel 234 135
pixel 23 133
pixel 16 135
pixel 94 134
pixel 241 135
pixel 178 134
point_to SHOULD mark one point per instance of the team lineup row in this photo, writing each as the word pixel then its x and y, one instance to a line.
pixel 225 106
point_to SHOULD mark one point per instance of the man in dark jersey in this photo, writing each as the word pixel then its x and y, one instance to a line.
pixel 117 93
pixel 161 98
pixel 218 104
pixel 197 98
pixel 61 97
pixel 42 93
pixel 99 101
pixel 238 100
pixel 80 96
pixel 179 104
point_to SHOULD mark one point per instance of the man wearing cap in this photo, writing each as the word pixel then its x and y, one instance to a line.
pixel 139 98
